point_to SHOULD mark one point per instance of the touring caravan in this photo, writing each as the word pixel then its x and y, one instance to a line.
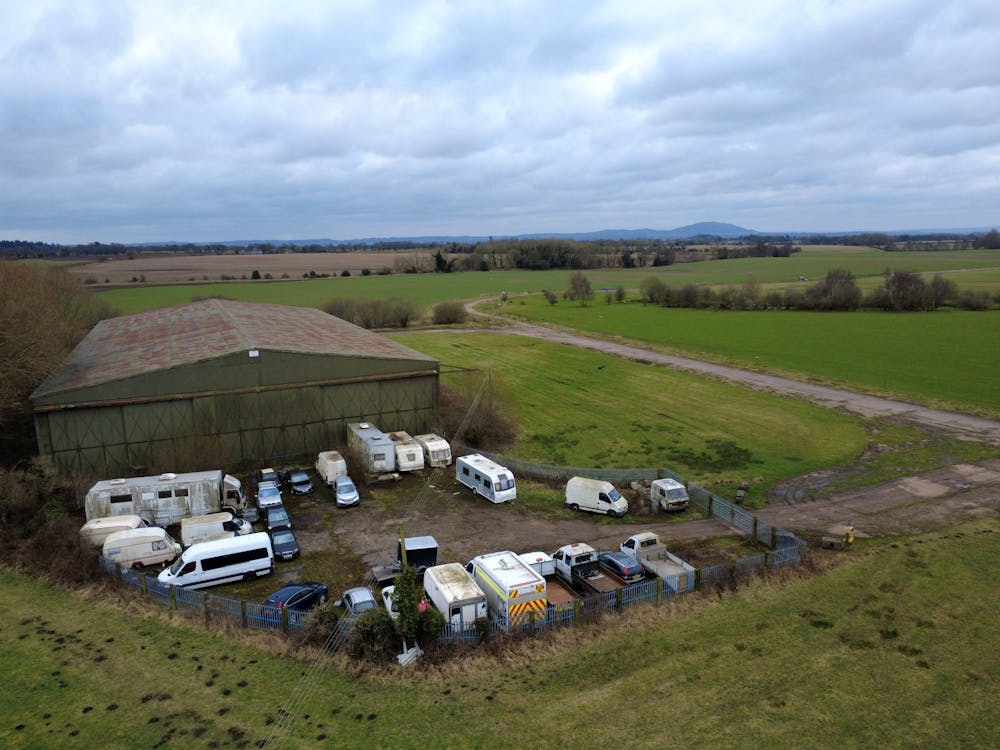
pixel 409 454
pixel 140 547
pixel 437 452
pixel 95 531
pixel 196 529
pixel 167 498
pixel 482 476
pixel 373 447
pixel 241 558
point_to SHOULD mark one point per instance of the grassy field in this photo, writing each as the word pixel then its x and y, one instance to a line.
pixel 947 357
pixel 581 408
pixel 427 289
pixel 893 649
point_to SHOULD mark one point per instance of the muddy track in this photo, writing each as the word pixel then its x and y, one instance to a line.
pixel 911 505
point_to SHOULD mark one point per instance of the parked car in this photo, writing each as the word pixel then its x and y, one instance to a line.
pixel 389 601
pixel 359 600
pixel 298 596
pixel 277 518
pixel 284 544
pixel 268 494
pixel 347 493
pixel 622 566
pixel 265 475
pixel 298 481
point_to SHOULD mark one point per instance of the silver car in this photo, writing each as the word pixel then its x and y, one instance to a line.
pixel 347 493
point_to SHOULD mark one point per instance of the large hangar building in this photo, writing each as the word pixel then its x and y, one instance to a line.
pixel 221 383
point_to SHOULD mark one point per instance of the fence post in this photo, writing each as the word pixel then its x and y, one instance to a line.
pixel 243 612
pixel 732 571
pixel 145 578
pixel 173 598
pixel 710 497
pixel 697 578
pixel 619 599
pixel 659 591
pixel 774 537
pixel 755 526
pixel 284 620
pixel 531 620
pixel 204 607
pixel 767 558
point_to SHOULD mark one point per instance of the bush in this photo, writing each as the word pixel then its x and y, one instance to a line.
pixel 429 624
pixel 322 623
pixel 971 299
pixel 447 313
pixel 485 426
pixel 375 637
pixel 550 296
pixel 374 313
pixel 345 272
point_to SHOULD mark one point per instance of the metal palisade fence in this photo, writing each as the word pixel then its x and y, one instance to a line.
pixel 783 549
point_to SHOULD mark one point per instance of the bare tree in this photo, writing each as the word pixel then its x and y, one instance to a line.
pixel 580 289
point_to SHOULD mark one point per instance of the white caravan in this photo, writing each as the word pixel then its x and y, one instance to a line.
pixel 455 594
pixel 223 525
pixel 374 448
pixel 95 531
pixel 409 454
pixel 139 547
pixel 482 476
pixel 437 452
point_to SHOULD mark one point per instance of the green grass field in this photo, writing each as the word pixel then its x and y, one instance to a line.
pixel 428 289
pixel 945 358
pixel 894 649
pixel 582 408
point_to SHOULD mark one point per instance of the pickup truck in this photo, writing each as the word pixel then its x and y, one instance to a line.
pixel 559 594
pixel 576 564
pixel 647 549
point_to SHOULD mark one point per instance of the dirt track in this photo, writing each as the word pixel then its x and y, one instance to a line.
pixel 911 505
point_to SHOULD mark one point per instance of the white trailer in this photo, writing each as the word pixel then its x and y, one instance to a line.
pixel 437 452
pixel 409 454
pixel 373 448
pixel 196 529
pixel 455 594
pixel 512 587
pixel 482 476
pixel 167 498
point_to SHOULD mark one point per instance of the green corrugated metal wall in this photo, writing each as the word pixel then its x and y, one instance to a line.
pixel 219 429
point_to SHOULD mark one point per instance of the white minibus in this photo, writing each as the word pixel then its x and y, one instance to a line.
pixel 241 558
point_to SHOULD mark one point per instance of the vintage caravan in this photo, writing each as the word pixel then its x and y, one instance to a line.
pixel 137 548
pixel 372 447
pixel 437 452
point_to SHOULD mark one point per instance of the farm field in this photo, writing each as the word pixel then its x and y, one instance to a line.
pixel 946 358
pixel 582 408
pixel 871 653
pixel 428 289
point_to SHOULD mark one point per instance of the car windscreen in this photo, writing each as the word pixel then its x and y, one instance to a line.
pixel 677 494
pixel 614 495
pixel 298 477
pixel 283 537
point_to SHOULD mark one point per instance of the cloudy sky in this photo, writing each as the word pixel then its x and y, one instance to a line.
pixel 200 121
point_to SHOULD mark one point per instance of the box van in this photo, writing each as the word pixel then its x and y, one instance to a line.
pixel 241 558
pixel 482 476
pixel 437 452
pixel 138 547
pixel 196 529
pixel 330 465
pixel 96 530
pixel 455 594
pixel 668 494
pixel 596 496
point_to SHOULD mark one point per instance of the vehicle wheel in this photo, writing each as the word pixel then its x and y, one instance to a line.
pixel 248 576
pixel 574 506
pixel 612 514
pixel 136 566
pixel 322 598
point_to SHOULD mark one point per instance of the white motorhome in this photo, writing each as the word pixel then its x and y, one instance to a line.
pixel 512 587
pixel 330 465
pixel 95 531
pixel 596 496
pixel 136 548
pixel 409 453
pixel 455 594
pixel 668 494
pixel 482 476
pixel 437 452
pixel 196 529
pixel 374 448
pixel 241 558
pixel 167 498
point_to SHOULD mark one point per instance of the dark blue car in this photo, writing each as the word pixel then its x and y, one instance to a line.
pixel 298 596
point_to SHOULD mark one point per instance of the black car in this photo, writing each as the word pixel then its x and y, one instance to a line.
pixel 300 596
pixel 276 517
pixel 622 566
pixel 298 481
pixel 284 544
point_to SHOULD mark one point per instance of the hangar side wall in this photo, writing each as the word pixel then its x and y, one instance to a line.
pixel 212 430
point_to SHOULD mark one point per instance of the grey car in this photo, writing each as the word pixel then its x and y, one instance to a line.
pixel 359 600
pixel 347 493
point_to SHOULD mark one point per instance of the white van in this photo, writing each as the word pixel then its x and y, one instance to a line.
pixel 196 529
pixel 668 494
pixel 595 495
pixel 330 465
pixel 241 558
pixel 136 548
pixel 96 530
pixel 482 476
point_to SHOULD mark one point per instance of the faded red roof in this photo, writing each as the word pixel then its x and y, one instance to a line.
pixel 160 339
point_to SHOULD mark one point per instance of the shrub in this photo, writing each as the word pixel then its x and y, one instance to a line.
pixel 483 426
pixel 374 313
pixel 322 623
pixel 972 299
pixel 447 313
pixel 620 293
pixel 375 637
pixel 550 296
pixel 429 624
pixel 345 272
